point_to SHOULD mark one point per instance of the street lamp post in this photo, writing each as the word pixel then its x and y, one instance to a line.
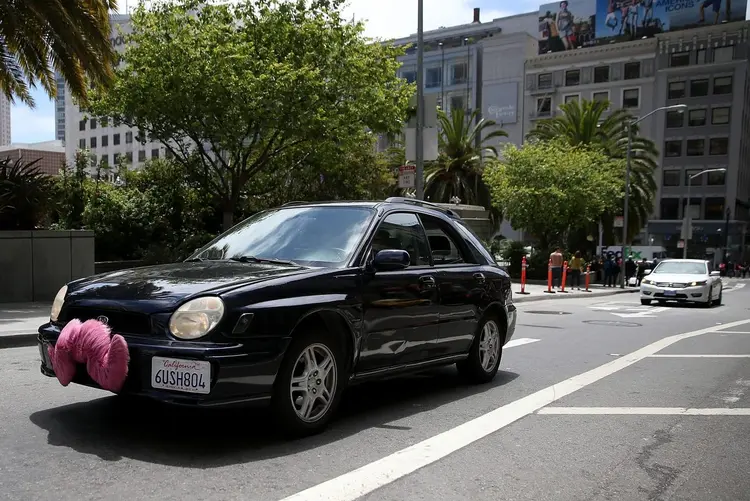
pixel 687 218
pixel 629 125
pixel 420 101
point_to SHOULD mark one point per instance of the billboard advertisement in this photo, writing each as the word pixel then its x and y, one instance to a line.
pixel 502 102
pixel 568 25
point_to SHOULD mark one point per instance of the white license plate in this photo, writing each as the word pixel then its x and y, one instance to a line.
pixel 670 293
pixel 189 376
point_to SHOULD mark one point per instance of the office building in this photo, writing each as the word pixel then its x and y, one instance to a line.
pixel 60 108
pixel 50 155
pixel 4 120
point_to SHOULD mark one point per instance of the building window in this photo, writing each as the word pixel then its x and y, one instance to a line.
pixel 671 178
pixel 105 140
pixel 676 90
pixel 459 73
pixel 601 74
pixel 600 96
pixel 675 119
pixel 700 56
pixel 115 139
pixel 673 148
pixel 457 103
pixel 571 97
pixel 104 121
pixel 695 181
pixel 723 54
pixel 723 85
pixel 128 137
pixel 697 118
pixel 93 124
pixel 129 157
pixel 168 154
pixel 82 125
pixel 434 78
pixel 82 144
pixel 716 178
pixel 544 81
pixel 142 155
pixel 410 76
pixel 677 59
pixel 696 147
pixel 572 77
pixel 718 146
pixel 631 71
pixel 670 208
pixel 155 153
pixel 105 161
pixel 695 207
pixel 699 88
pixel 544 106
pixel 117 157
pixel 720 116
pixel 631 98
pixel 93 142
pixel 714 208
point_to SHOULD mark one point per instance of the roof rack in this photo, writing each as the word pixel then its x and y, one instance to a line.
pixel 422 203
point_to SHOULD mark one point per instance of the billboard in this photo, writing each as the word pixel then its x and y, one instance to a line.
pixel 568 25
pixel 501 102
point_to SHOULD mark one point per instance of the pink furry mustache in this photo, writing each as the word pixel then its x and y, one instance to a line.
pixel 106 357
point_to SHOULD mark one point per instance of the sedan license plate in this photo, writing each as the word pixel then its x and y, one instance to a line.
pixel 670 293
pixel 189 376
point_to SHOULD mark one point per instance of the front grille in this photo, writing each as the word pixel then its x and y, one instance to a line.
pixel 676 296
pixel 671 285
pixel 119 322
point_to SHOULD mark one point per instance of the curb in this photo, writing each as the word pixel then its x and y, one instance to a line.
pixel 545 297
pixel 17 340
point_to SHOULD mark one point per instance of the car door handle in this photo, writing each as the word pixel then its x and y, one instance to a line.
pixel 479 277
pixel 427 281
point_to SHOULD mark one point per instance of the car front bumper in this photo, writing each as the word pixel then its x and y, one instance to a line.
pixel 695 294
pixel 241 374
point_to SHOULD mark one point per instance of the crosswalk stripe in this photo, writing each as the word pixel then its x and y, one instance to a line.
pixel 520 341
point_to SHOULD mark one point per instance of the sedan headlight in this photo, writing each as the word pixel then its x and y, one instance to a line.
pixel 647 281
pixel 196 318
pixel 699 282
pixel 57 303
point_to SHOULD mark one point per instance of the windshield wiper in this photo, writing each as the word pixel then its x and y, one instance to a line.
pixel 253 259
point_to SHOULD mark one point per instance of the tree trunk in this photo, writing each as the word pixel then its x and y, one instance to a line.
pixel 228 219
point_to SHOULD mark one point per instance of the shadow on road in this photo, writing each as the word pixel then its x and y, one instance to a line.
pixel 114 427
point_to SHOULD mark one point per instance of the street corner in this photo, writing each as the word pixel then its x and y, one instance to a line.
pixel 19 323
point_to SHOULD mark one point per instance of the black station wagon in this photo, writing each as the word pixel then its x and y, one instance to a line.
pixel 295 303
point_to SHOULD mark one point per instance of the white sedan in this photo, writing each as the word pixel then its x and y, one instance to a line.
pixel 682 280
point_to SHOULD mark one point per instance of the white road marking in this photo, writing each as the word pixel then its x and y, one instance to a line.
pixel 699 356
pixel 734 287
pixel 635 411
pixel 629 310
pixel 732 332
pixel 372 476
pixel 520 341
pixel 651 312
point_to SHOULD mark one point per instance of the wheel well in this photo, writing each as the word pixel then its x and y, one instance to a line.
pixel 498 311
pixel 332 322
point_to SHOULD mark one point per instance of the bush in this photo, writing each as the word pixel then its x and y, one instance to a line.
pixel 513 251
pixel 24 194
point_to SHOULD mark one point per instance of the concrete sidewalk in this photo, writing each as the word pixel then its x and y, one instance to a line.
pixel 19 322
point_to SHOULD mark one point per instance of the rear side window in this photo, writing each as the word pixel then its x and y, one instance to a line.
pixel 445 250
pixel 481 253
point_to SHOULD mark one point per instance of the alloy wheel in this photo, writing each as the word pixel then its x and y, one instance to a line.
pixel 314 382
pixel 489 346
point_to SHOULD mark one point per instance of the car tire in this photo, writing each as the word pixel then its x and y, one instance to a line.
pixel 645 302
pixel 710 301
pixel 288 404
pixel 473 369
pixel 717 301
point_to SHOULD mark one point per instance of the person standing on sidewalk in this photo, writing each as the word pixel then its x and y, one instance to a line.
pixel 609 272
pixel 630 270
pixel 576 268
pixel 557 262
pixel 642 267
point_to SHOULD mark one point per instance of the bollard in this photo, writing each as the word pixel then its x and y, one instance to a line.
pixel 549 278
pixel 588 277
pixel 523 275
pixel 564 277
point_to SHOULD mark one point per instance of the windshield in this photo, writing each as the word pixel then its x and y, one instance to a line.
pixel 309 236
pixel 681 268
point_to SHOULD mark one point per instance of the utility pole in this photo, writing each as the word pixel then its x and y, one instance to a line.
pixel 420 101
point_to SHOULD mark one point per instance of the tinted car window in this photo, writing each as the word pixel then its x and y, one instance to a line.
pixel 444 249
pixel 402 231
pixel 312 236
pixel 474 243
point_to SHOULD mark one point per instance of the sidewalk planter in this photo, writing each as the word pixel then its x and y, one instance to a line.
pixel 35 264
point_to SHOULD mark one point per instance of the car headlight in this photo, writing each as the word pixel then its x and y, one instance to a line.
pixel 647 281
pixel 196 318
pixel 57 303
pixel 701 282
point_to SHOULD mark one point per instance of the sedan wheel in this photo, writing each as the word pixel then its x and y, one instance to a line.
pixel 308 386
pixel 486 352
pixel 710 301
pixel 717 302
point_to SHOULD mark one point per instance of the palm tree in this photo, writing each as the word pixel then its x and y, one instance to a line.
pixel 581 123
pixel 463 142
pixel 71 36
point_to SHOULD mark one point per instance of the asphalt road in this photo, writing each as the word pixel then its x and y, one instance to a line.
pixel 640 435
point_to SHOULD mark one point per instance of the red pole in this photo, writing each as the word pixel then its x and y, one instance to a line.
pixel 523 275
pixel 588 277
pixel 564 276
pixel 549 278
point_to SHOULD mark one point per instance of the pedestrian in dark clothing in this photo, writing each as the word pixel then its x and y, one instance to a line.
pixel 609 270
pixel 642 267
pixel 630 269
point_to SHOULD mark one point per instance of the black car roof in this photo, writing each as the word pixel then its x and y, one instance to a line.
pixel 392 202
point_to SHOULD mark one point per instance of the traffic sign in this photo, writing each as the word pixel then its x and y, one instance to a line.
pixel 407 175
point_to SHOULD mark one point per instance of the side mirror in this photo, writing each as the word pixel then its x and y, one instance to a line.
pixel 391 260
pixel 647 272
pixel 715 273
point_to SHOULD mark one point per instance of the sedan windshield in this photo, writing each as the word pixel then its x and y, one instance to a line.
pixel 681 268
pixel 308 236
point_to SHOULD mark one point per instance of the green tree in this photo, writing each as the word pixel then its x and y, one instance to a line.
pixel 582 123
pixel 71 37
pixel 233 88
pixel 463 142
pixel 551 187
pixel 70 193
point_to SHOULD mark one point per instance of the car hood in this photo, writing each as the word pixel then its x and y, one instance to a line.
pixel 164 285
pixel 676 278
